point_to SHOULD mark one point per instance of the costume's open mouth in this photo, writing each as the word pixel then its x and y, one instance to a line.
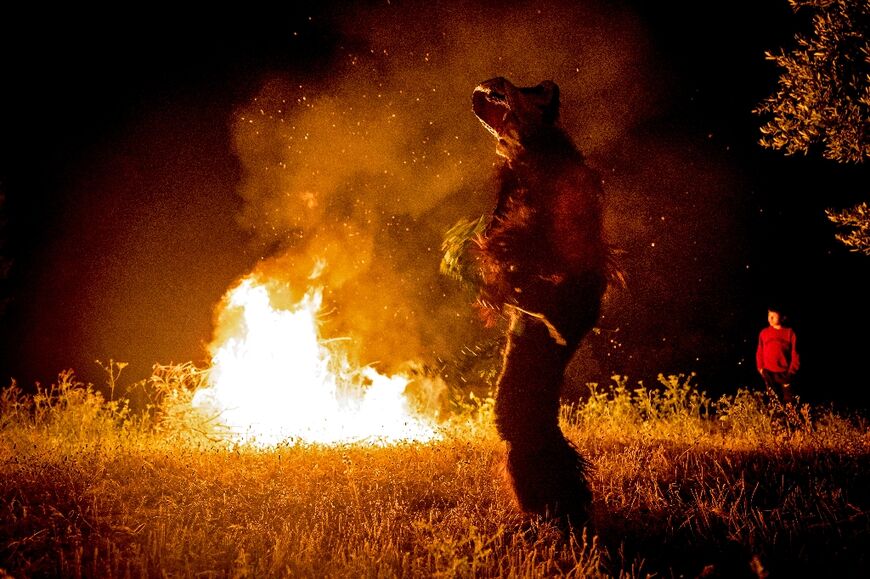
pixel 491 107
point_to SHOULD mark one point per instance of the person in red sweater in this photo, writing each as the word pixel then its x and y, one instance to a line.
pixel 777 357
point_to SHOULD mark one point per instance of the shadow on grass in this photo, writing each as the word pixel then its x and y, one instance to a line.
pixel 757 514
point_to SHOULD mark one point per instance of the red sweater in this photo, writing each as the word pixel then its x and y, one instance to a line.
pixel 777 351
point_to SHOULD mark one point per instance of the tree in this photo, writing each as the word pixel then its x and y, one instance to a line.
pixel 856 221
pixel 823 98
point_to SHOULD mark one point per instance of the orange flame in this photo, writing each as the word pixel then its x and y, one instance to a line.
pixel 273 380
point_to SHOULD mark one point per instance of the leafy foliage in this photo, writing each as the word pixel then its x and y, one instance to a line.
pixel 857 221
pixel 456 262
pixel 823 93
pixel 823 97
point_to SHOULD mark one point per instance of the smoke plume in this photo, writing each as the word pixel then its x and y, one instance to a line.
pixel 362 167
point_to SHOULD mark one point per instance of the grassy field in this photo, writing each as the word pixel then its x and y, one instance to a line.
pixel 683 486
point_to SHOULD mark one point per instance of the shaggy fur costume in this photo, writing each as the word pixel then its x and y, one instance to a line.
pixel 543 263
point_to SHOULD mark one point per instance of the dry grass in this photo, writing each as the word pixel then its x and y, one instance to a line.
pixel 683 486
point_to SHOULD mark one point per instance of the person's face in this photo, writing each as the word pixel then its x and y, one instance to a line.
pixel 773 318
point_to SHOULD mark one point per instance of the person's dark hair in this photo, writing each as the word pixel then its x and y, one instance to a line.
pixel 778 309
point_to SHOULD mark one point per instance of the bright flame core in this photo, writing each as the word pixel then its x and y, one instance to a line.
pixel 273 380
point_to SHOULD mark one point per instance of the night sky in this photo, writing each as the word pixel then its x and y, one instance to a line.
pixel 139 178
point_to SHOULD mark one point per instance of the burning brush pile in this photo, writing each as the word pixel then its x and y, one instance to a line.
pixel 274 379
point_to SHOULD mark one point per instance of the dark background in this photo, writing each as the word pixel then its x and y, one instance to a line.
pixel 119 184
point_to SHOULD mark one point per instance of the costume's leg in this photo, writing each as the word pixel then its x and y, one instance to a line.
pixel 546 471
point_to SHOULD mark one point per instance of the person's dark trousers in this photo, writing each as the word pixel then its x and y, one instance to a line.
pixel 779 382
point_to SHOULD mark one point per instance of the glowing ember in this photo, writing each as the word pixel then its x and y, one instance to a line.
pixel 273 380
